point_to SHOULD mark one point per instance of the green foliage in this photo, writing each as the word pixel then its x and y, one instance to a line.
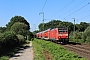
pixel 83 26
pixel 78 27
pixel 30 36
pixel 4 58
pixel 86 35
pixel 2 29
pixel 76 37
pixel 58 52
pixel 8 38
pixel 19 28
pixel 8 35
pixel 51 24
pixel 69 25
pixel 17 19
pixel 56 23
pixel 17 25
pixel 21 38
pixel 88 39
pixel 82 37
pixel 41 27
pixel 38 51
pixel 36 31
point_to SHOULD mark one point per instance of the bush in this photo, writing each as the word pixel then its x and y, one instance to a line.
pixel 86 35
pixel 21 38
pixel 76 36
pixel 1 37
pixel 30 36
pixel 8 39
pixel 88 40
pixel 4 58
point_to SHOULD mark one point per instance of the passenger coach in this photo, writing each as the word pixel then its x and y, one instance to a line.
pixel 56 34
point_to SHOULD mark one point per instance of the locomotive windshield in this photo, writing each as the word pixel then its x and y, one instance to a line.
pixel 62 29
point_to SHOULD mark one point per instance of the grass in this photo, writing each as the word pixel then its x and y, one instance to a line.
pixel 56 51
pixel 4 58
pixel 38 51
pixel 6 53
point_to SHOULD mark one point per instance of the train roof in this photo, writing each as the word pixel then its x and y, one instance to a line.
pixel 38 32
pixel 51 29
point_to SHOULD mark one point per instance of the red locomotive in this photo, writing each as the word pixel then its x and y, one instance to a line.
pixel 56 34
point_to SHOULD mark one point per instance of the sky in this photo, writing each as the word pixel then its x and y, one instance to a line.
pixel 32 11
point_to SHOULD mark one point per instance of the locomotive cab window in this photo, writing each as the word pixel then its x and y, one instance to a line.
pixel 62 29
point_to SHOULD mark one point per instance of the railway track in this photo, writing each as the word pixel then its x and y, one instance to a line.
pixel 82 50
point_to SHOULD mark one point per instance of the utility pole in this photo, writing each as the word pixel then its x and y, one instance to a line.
pixel 43 23
pixel 74 24
pixel 43 18
pixel 74 27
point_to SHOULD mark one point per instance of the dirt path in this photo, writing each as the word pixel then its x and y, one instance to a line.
pixel 25 53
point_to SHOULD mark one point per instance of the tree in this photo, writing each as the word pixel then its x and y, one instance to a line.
pixel 69 25
pixel 19 28
pixel 17 19
pixel 56 23
pixel 30 36
pixel 8 38
pixel 36 31
pixel 86 35
pixel 2 29
pixel 50 24
pixel 77 27
pixel 83 26
pixel 40 27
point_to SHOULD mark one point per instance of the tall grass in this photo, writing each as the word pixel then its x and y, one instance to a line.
pixel 58 52
pixel 38 51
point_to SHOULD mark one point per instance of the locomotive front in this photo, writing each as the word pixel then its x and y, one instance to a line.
pixel 63 35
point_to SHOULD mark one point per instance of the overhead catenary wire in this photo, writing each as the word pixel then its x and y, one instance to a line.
pixel 82 13
pixel 44 6
pixel 62 8
pixel 73 8
pixel 43 13
pixel 78 4
pixel 84 17
pixel 71 13
pixel 77 10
